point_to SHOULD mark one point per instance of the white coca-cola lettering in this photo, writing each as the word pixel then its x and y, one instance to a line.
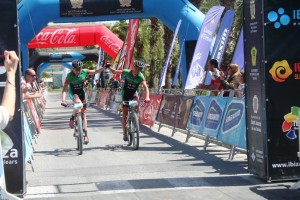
pixel 113 46
pixel 59 36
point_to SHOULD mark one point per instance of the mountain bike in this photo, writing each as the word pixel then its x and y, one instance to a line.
pixel 133 125
pixel 78 123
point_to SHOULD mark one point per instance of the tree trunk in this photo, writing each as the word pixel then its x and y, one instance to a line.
pixel 152 71
pixel 168 37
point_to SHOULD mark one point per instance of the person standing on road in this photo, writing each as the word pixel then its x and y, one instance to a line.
pixel 74 84
pixel 132 79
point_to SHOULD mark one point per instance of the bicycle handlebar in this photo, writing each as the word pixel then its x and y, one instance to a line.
pixel 134 102
pixel 75 105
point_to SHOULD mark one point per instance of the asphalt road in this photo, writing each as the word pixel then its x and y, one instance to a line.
pixel 164 168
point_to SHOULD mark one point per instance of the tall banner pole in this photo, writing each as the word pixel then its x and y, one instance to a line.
pixel 272 72
pixel 210 23
pixel 13 159
pixel 163 75
pixel 132 33
pixel 99 64
pixel 175 80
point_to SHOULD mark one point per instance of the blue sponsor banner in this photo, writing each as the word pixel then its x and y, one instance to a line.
pixel 238 56
pixel 163 75
pixel 233 129
pixel 213 118
pixel 28 138
pixel 210 23
pixel 221 40
pixel 198 112
pixel 222 36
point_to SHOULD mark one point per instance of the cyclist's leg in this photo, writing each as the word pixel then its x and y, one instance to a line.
pixel 83 110
pixel 124 122
pixel 72 97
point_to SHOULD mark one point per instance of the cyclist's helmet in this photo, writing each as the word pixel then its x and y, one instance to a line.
pixel 140 64
pixel 77 64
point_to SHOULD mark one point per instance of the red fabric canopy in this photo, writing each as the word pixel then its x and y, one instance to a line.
pixel 78 36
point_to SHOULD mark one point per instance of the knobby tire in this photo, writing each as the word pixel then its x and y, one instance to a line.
pixel 80 133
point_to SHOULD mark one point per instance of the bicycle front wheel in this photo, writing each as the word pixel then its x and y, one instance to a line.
pixel 135 131
pixel 80 134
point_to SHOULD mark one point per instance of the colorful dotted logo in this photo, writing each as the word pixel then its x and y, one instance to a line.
pixel 279 18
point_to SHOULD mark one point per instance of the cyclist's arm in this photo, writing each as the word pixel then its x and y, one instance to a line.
pixel 114 71
pixel 95 71
pixel 146 89
pixel 65 90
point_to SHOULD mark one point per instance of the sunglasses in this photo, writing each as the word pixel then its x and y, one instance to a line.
pixel 138 68
pixel 77 69
pixel 32 75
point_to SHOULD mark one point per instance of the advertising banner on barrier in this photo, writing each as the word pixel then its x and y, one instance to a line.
pixel 79 8
pixel 184 112
pixel 34 114
pixel 233 128
pixel 13 161
pixel 28 138
pixel 168 109
pixel 102 100
pixel 198 110
pixel 213 118
pixel 148 111
pixel 30 118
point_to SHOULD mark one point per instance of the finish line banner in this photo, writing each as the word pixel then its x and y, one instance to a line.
pixel 81 8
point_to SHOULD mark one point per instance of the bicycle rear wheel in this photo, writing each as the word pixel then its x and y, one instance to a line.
pixel 135 131
pixel 80 134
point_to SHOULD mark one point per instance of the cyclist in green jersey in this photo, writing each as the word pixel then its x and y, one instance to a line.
pixel 132 79
pixel 74 84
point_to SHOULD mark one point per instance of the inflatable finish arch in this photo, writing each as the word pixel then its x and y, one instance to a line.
pixel 36 14
pixel 43 66
pixel 71 36
pixel 67 56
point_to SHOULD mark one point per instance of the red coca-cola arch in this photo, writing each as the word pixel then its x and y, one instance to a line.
pixel 72 36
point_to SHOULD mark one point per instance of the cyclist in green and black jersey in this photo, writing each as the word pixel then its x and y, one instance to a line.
pixel 74 84
pixel 132 79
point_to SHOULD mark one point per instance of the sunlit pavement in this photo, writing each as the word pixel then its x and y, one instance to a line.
pixel 164 167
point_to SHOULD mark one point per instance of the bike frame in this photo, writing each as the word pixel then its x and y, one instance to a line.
pixel 133 125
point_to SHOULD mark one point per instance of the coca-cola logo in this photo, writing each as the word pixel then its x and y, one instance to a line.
pixel 59 36
pixel 107 41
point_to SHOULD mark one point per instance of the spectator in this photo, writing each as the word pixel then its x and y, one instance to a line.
pixel 7 108
pixel 215 83
pixel 241 86
pixel 232 81
pixel 27 85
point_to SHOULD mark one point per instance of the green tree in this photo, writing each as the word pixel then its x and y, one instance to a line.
pixel 46 75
